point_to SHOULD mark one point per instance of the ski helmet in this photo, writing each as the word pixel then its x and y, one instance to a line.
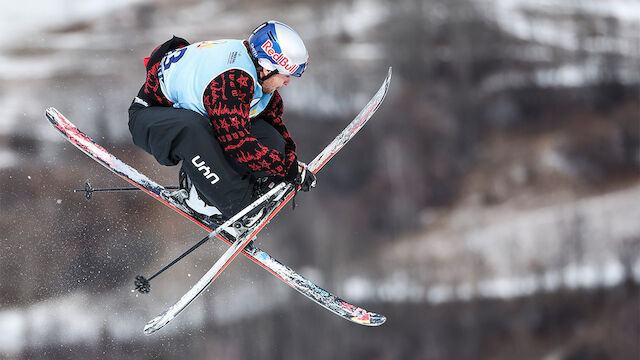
pixel 276 46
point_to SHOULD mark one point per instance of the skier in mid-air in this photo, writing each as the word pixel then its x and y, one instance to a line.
pixel 215 106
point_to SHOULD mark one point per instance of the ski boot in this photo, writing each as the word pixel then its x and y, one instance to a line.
pixel 209 214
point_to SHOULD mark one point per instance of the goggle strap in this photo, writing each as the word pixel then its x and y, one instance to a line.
pixel 269 75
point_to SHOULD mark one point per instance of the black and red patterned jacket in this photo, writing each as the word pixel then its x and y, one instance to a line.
pixel 227 100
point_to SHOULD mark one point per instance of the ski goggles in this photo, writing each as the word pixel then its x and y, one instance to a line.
pixel 299 70
pixel 285 70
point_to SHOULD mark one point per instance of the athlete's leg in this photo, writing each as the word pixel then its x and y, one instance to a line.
pixel 172 135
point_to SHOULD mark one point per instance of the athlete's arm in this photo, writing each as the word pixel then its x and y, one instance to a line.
pixel 272 114
pixel 227 100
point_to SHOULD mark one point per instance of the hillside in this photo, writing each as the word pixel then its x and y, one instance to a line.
pixel 494 194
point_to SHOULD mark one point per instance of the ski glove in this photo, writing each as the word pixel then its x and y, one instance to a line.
pixel 300 175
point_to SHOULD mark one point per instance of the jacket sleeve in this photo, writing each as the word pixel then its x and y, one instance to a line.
pixel 227 100
pixel 273 115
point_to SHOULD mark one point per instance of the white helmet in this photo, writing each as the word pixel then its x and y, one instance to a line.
pixel 276 46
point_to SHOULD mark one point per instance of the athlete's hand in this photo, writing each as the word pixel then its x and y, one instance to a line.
pixel 306 179
pixel 302 176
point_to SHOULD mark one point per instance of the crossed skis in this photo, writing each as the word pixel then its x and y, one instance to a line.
pixel 276 198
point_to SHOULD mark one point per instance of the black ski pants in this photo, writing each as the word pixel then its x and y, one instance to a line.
pixel 172 135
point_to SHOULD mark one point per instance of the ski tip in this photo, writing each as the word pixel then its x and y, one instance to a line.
pixel 361 316
pixel 381 319
pixel 158 322
pixel 149 330
pixel 369 319
pixel 50 110
pixel 51 114
pixel 153 325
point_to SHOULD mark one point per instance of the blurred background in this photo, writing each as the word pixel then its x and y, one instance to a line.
pixel 491 208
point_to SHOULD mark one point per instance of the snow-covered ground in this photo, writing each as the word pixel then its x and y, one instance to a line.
pixel 505 252
pixel 78 318
pixel 613 28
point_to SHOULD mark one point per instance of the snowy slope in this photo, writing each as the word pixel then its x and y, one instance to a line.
pixel 503 251
pixel 487 238
pixel 552 22
pixel 19 22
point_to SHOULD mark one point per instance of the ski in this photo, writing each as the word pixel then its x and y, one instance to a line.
pixel 284 273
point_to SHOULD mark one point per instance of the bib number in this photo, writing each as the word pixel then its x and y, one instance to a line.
pixel 173 57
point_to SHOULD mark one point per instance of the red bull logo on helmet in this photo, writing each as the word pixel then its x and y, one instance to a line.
pixel 279 58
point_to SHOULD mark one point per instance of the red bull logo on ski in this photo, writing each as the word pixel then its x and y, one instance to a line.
pixel 279 58
pixel 206 170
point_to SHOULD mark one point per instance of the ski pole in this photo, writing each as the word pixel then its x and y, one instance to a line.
pixel 89 189
pixel 142 284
